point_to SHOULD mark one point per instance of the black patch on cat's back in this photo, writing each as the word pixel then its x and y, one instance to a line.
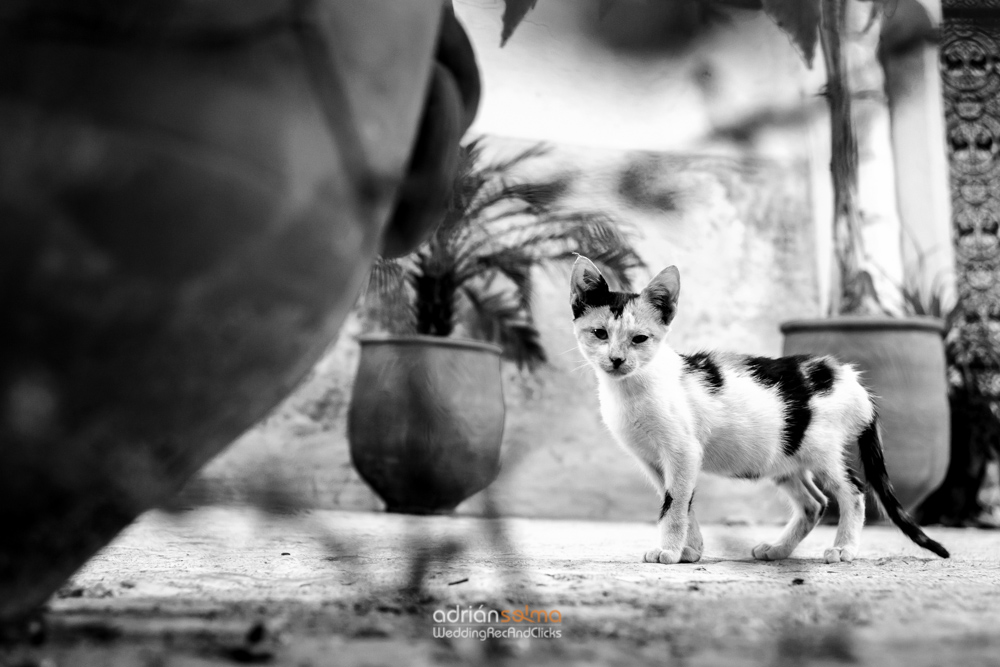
pixel 600 296
pixel 668 500
pixel 701 363
pixel 821 376
pixel 795 390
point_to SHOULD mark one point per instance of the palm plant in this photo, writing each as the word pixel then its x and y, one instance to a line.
pixel 474 275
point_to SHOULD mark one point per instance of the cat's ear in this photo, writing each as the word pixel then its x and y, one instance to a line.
pixel 662 292
pixel 585 283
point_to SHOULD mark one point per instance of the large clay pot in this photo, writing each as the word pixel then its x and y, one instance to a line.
pixel 191 194
pixel 902 362
pixel 426 420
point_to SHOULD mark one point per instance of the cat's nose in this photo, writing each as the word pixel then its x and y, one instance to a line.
pixel 616 362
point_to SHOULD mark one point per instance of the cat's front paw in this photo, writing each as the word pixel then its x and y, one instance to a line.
pixel 665 556
pixel 839 555
pixel 765 551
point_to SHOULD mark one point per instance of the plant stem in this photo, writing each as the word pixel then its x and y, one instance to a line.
pixel 848 287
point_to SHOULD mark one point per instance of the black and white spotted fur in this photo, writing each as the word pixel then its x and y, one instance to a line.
pixel 788 419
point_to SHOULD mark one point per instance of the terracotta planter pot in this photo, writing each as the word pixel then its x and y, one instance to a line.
pixel 191 194
pixel 903 364
pixel 426 420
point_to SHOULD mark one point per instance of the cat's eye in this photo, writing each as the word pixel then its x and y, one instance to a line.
pixel 639 339
pixel 601 334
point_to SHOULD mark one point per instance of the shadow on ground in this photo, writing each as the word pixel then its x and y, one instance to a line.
pixel 228 586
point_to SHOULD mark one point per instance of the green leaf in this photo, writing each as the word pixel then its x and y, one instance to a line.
pixel 799 19
pixel 514 11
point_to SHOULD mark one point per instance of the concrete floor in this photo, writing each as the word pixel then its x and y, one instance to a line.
pixel 223 586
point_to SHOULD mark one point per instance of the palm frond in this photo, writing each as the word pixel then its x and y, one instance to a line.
pixel 505 165
pixel 603 242
pixel 537 197
pixel 469 182
pixel 478 267
pixel 616 265
pixel 515 198
pixel 386 276
pixel 558 237
pixel 514 264
pixel 474 173
pixel 499 319
pixel 387 302
pixel 930 301
pixel 936 299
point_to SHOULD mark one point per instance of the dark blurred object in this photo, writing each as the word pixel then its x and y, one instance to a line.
pixel 426 420
pixel 975 432
pixel 191 196
pixel 640 26
pixel 907 26
pixel 424 196
pixel 975 424
pixel 968 53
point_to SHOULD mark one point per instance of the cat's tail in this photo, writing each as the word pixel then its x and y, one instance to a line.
pixel 873 460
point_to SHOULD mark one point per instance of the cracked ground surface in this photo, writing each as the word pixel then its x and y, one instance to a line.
pixel 230 586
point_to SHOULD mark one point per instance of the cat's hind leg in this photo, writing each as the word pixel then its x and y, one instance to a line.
pixel 848 489
pixel 807 509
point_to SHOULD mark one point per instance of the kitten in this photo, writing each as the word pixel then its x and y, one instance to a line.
pixel 789 419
